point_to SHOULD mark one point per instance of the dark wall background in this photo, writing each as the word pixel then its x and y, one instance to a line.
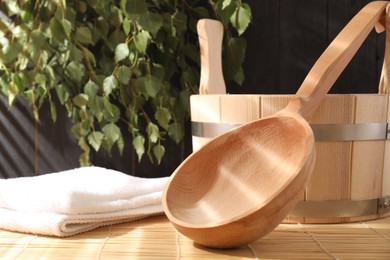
pixel 284 41
pixel 287 36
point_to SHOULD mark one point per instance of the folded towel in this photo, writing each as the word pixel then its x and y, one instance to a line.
pixel 74 201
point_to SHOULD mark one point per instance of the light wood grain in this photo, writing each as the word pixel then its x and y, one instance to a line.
pixel 239 186
pixel 238 110
pixel 384 88
pixel 155 238
pixel 384 84
pixel 204 108
pixel 367 156
pixel 331 178
pixel 210 35
pixel 386 165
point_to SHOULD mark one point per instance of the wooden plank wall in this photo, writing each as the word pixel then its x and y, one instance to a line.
pixel 284 40
pixel 287 36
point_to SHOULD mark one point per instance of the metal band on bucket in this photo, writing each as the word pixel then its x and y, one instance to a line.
pixel 322 132
pixel 342 208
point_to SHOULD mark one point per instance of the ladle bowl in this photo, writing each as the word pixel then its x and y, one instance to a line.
pixel 240 185
pixel 250 187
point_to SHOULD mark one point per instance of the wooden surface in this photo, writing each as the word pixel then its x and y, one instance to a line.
pixel 210 35
pixel 386 166
pixel 155 238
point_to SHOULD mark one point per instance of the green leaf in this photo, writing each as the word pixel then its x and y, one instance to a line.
pixel 163 116
pixel 225 9
pixel 76 55
pixel 233 55
pixel 132 115
pixel 241 18
pixel 84 157
pixel 57 29
pixel 97 107
pixel 239 78
pixel 126 25
pixel 4 85
pixel 37 38
pixel 13 91
pixel 75 71
pixel 226 3
pixel 11 51
pixel 179 21
pixel 158 151
pixel 134 6
pixel 111 133
pixel 53 111
pixel 91 89
pixel 95 139
pixel 89 56
pixel 121 52
pixel 109 84
pixel 111 112
pixel 124 74
pixel 84 35
pixel 20 80
pixel 67 26
pixel 158 71
pixel 121 144
pixel 176 132
pixel 115 17
pixel 153 132
pixel 151 22
pixel 62 93
pixel 84 160
pixel 80 129
pixel 139 146
pixel 81 100
pixel 40 79
pixel 142 41
pixel 149 86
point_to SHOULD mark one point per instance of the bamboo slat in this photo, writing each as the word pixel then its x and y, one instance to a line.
pixel 155 238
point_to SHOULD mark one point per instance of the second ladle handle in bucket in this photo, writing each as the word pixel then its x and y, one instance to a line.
pixel 210 34
pixel 335 58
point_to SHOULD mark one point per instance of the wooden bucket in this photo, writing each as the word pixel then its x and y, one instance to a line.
pixel 351 179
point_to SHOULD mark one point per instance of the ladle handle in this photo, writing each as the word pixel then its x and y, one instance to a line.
pixel 210 34
pixel 336 57
pixel 384 83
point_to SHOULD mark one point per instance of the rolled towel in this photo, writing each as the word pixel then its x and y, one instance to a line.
pixel 74 201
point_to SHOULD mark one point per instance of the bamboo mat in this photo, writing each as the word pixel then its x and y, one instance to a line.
pixel 155 238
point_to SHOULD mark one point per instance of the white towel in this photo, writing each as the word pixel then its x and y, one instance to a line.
pixel 70 202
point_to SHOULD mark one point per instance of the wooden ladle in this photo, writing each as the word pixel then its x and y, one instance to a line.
pixel 239 186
